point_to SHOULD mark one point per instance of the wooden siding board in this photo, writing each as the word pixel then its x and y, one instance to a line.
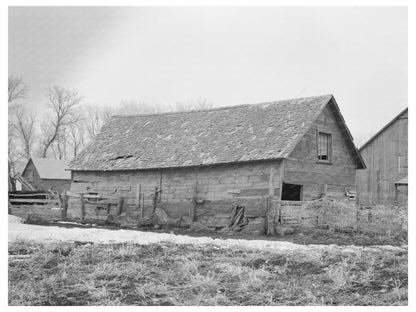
pixel 303 168
pixel 382 155
pixel 253 180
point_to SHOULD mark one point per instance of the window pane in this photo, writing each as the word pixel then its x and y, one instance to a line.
pixel 323 146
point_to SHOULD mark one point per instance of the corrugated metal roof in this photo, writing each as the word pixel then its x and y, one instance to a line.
pixel 52 168
pixel 217 136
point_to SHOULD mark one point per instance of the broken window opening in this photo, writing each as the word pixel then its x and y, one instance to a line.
pixel 291 192
pixel 324 146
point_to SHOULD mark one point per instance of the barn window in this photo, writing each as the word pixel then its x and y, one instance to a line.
pixel 324 146
pixel 291 192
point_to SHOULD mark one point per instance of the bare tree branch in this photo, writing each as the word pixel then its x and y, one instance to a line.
pixel 17 88
pixel 63 103
pixel 76 138
pixel 25 127
pixel 132 107
pixel 192 104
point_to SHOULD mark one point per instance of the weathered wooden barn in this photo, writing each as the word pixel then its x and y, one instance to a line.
pixel 296 149
pixel 385 154
pixel 47 174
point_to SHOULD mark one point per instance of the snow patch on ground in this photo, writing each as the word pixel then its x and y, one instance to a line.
pixel 19 230
pixel 15 219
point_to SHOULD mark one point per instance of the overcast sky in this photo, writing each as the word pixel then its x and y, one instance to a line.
pixel 229 55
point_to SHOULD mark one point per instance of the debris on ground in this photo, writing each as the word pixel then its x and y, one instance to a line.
pixel 159 217
pixel 237 221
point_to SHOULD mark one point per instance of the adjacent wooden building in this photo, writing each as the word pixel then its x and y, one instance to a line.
pixel 386 156
pixel 47 174
pixel 296 149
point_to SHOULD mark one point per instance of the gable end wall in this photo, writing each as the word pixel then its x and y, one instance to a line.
pixel 32 176
pixel 302 167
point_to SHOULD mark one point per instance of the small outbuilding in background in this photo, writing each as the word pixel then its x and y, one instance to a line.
pixel 46 174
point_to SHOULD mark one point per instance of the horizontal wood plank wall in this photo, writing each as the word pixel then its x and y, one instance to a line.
pixel 302 166
pixel 45 213
pixel 386 158
pixel 244 184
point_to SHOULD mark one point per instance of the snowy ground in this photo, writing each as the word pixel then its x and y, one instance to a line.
pixel 19 230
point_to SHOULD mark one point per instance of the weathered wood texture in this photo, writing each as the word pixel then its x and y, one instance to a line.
pixel 32 176
pixel 302 167
pixel 339 216
pixel 218 187
pixel 46 206
pixel 386 157
pixel 50 212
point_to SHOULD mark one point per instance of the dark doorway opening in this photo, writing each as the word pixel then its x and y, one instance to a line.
pixel 291 192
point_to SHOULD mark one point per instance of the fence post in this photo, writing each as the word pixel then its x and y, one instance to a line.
pixel 82 208
pixel 154 200
pixel 142 206
pixel 270 216
pixel 64 205
pixel 138 193
pixel 120 206
pixel 358 219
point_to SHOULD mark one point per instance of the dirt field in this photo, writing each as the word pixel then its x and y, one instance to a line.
pixel 168 269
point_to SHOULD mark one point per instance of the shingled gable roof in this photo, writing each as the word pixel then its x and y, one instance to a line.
pixel 217 136
pixel 47 168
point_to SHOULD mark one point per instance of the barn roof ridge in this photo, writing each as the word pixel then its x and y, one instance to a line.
pixel 220 108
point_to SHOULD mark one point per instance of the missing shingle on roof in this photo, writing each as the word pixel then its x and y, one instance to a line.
pixel 121 157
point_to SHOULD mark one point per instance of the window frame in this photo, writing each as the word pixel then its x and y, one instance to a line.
pixel 329 147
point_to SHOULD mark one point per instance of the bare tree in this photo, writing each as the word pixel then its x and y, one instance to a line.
pixel 192 104
pixel 63 103
pixel 17 88
pixel 76 138
pixel 132 107
pixel 94 118
pixel 59 147
pixel 25 128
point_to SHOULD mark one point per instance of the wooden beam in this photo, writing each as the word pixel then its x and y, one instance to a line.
pixel 142 206
pixel 138 191
pixel 160 187
pixel 282 176
pixel 154 200
pixel 192 207
pixel 120 205
pixel 64 205
pixel 29 195
pixel 82 208
pixel 35 200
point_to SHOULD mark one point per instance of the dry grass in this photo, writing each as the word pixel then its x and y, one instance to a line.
pixel 167 274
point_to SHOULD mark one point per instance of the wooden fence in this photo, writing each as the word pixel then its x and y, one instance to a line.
pixel 99 208
pixel 335 215
pixel 46 205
